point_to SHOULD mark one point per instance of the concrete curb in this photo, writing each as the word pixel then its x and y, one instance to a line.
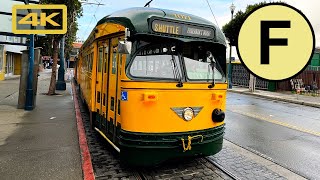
pixel 316 105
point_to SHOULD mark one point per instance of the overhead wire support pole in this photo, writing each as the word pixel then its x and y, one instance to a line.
pixel 61 83
pixel 232 8
pixel 29 92
pixel 29 105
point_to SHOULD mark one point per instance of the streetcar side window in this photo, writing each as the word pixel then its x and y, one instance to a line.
pixel 91 62
pixel 100 59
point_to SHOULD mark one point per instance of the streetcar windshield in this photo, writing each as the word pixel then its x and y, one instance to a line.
pixel 183 63
pixel 201 64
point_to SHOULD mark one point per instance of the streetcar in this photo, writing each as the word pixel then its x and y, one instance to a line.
pixel 154 81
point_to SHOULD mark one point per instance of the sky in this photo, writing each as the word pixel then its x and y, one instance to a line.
pixel 221 9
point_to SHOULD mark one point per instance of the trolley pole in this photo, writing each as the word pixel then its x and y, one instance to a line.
pixel 61 83
pixel 29 92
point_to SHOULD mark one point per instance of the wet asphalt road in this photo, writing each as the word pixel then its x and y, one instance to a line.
pixel 287 133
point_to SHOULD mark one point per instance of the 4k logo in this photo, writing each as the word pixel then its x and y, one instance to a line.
pixel 37 21
pixel 276 42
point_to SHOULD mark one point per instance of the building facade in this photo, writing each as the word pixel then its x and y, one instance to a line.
pixel 10 56
pixel 315 61
pixel 74 53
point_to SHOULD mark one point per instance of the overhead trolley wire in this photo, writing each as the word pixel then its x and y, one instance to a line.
pixel 94 16
pixel 212 13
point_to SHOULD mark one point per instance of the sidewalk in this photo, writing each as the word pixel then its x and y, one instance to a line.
pixel 8 87
pixel 280 96
pixel 38 144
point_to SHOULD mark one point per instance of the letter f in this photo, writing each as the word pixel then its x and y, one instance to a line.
pixel 266 41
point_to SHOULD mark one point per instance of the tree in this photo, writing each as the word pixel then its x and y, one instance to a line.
pixel 44 42
pixel 232 28
pixel 74 10
pixel 70 38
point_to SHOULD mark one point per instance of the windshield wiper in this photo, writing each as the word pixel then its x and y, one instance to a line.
pixel 212 64
pixel 175 70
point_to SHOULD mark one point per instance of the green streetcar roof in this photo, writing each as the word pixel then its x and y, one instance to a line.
pixel 136 19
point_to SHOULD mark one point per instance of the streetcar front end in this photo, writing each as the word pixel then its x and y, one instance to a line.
pixel 173 98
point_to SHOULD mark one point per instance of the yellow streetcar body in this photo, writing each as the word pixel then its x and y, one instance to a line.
pixel 147 114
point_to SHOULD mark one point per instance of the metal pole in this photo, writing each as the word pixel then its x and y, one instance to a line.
pixel 61 84
pixel 229 64
pixel 29 92
pixel 229 69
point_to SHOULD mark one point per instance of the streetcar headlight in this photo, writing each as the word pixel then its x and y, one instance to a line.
pixel 188 114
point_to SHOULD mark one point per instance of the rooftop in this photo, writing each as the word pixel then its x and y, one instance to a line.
pixel 77 45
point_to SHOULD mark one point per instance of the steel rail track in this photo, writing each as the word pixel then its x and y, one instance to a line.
pixel 222 168
pixel 139 175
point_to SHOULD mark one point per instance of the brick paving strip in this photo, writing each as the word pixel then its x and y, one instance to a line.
pixel 248 165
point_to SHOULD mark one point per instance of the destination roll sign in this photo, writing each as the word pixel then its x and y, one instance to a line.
pixel 173 28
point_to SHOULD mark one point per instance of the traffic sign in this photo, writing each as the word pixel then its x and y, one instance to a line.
pixel 276 41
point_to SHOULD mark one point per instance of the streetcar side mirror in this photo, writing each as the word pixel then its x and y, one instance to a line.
pixel 124 47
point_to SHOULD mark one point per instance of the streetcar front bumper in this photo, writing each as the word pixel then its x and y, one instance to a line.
pixel 149 149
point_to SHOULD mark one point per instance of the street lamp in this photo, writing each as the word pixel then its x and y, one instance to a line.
pixel 232 8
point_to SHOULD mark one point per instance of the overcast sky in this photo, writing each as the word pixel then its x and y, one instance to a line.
pixel 221 10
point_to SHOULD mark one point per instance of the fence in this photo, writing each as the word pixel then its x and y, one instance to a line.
pixel 240 77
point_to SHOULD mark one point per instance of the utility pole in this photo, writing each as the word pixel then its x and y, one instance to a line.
pixel 29 106
pixel 232 8
pixel 61 83
pixel 29 92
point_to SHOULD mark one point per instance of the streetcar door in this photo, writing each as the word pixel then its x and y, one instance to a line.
pixel 99 86
pixel 104 91
pixel 112 89
pixel 120 64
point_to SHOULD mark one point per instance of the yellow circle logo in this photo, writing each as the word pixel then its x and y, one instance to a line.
pixel 276 42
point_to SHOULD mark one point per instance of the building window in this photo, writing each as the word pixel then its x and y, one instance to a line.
pixel 100 59
pixel 16 40
pixel 9 39
pixel 9 69
pixel 23 40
